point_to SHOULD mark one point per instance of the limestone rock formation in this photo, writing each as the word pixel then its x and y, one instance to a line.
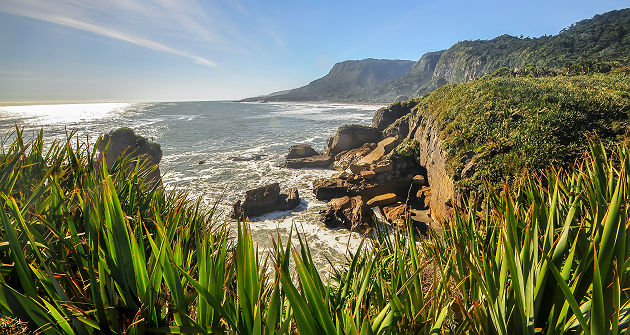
pixel 351 137
pixel 348 212
pixel 312 162
pixel 301 151
pixel 386 116
pixel 263 200
pixel 124 141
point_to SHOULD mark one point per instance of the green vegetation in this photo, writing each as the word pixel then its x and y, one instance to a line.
pixel 603 38
pixel 519 123
pixel 87 250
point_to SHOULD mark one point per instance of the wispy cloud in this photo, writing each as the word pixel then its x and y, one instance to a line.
pixel 127 17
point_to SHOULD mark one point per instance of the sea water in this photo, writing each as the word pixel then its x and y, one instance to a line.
pixel 217 151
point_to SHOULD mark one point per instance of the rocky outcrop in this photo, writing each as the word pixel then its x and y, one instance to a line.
pixel 313 162
pixel 125 142
pixel 301 151
pixel 433 158
pixel 398 129
pixel 385 116
pixel 383 148
pixel 347 158
pixel 263 200
pixel 350 137
pixel 397 214
pixel 347 212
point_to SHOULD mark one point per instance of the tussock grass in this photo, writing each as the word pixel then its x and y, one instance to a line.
pixel 86 250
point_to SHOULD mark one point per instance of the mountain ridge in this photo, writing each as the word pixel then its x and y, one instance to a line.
pixel 604 37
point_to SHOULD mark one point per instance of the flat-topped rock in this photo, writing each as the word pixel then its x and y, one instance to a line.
pixel 383 200
pixel 301 151
pixel 313 162
pixel 345 159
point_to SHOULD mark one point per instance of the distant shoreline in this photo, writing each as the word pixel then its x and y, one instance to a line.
pixel 38 103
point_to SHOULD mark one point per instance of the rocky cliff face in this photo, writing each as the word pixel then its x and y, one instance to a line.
pixel 424 130
pixel 604 37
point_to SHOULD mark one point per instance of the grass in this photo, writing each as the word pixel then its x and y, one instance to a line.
pixel 86 250
pixel 518 122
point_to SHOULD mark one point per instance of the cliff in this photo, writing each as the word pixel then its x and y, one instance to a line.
pixel 347 80
pixel 604 37
pixel 496 129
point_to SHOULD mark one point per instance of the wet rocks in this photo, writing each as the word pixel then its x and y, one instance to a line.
pixel 263 200
pixel 312 162
pixel 256 157
pixel 350 137
pixel 301 151
pixel 347 212
pixel 123 142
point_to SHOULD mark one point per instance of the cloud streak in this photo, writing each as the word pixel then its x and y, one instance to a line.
pixel 67 21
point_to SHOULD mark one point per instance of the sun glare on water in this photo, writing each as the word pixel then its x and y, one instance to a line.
pixel 61 114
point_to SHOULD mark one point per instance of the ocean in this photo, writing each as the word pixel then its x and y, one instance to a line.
pixel 240 146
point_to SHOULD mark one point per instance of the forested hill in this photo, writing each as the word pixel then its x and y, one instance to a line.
pixel 605 37
pixel 345 81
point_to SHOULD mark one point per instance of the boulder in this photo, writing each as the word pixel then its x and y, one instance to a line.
pixel 263 200
pixel 301 151
pixel 256 157
pixel 382 200
pixel 326 189
pixel 313 162
pixel 396 214
pixel 124 141
pixel 350 137
pixel 347 212
pixel 291 198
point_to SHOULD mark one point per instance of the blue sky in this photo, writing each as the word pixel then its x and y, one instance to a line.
pixel 124 50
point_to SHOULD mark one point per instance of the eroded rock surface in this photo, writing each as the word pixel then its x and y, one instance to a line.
pixel 350 137
pixel 263 200
pixel 301 151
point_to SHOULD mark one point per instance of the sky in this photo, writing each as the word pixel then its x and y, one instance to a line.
pixel 183 50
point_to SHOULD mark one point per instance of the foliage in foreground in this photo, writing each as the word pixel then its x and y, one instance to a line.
pixel 86 250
